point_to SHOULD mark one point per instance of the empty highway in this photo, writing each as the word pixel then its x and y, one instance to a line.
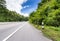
pixel 20 31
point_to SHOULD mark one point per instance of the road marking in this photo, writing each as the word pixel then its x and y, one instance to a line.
pixel 12 33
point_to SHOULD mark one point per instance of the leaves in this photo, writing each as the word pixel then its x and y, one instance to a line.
pixel 7 15
pixel 48 11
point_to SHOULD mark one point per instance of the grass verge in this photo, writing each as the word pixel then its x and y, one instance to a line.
pixel 50 32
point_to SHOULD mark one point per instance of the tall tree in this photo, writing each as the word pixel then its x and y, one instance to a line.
pixel 2 3
pixel 48 11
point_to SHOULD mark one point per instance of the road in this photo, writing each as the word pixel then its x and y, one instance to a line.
pixel 20 31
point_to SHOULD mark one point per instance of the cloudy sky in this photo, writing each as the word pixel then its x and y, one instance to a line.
pixel 24 7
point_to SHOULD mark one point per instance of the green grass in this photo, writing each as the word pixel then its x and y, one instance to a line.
pixel 50 32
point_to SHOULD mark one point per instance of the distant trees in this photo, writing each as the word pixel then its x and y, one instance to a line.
pixel 48 12
pixel 7 15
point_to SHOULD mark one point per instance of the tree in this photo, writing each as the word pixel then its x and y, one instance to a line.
pixel 2 3
pixel 7 15
pixel 48 11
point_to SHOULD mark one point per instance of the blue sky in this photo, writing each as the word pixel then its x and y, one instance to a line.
pixel 23 7
pixel 31 6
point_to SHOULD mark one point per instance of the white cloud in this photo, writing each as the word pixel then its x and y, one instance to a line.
pixel 26 6
pixel 16 5
pixel 26 14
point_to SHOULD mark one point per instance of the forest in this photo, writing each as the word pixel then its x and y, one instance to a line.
pixel 9 16
pixel 48 12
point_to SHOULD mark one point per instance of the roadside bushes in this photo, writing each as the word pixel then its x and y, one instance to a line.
pixel 53 18
pixel 51 22
pixel 48 12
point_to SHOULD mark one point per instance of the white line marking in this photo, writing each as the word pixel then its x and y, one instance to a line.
pixel 12 33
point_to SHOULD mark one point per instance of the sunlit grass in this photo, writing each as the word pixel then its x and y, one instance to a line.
pixel 50 32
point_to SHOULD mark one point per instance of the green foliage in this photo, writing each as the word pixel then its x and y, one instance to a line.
pixel 48 12
pixel 2 3
pixel 7 16
pixel 52 32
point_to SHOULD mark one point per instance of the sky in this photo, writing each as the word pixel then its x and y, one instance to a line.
pixel 23 7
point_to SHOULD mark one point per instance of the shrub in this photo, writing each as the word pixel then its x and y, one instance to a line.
pixel 51 22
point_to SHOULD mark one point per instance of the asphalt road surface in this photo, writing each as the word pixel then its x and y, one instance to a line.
pixel 20 31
